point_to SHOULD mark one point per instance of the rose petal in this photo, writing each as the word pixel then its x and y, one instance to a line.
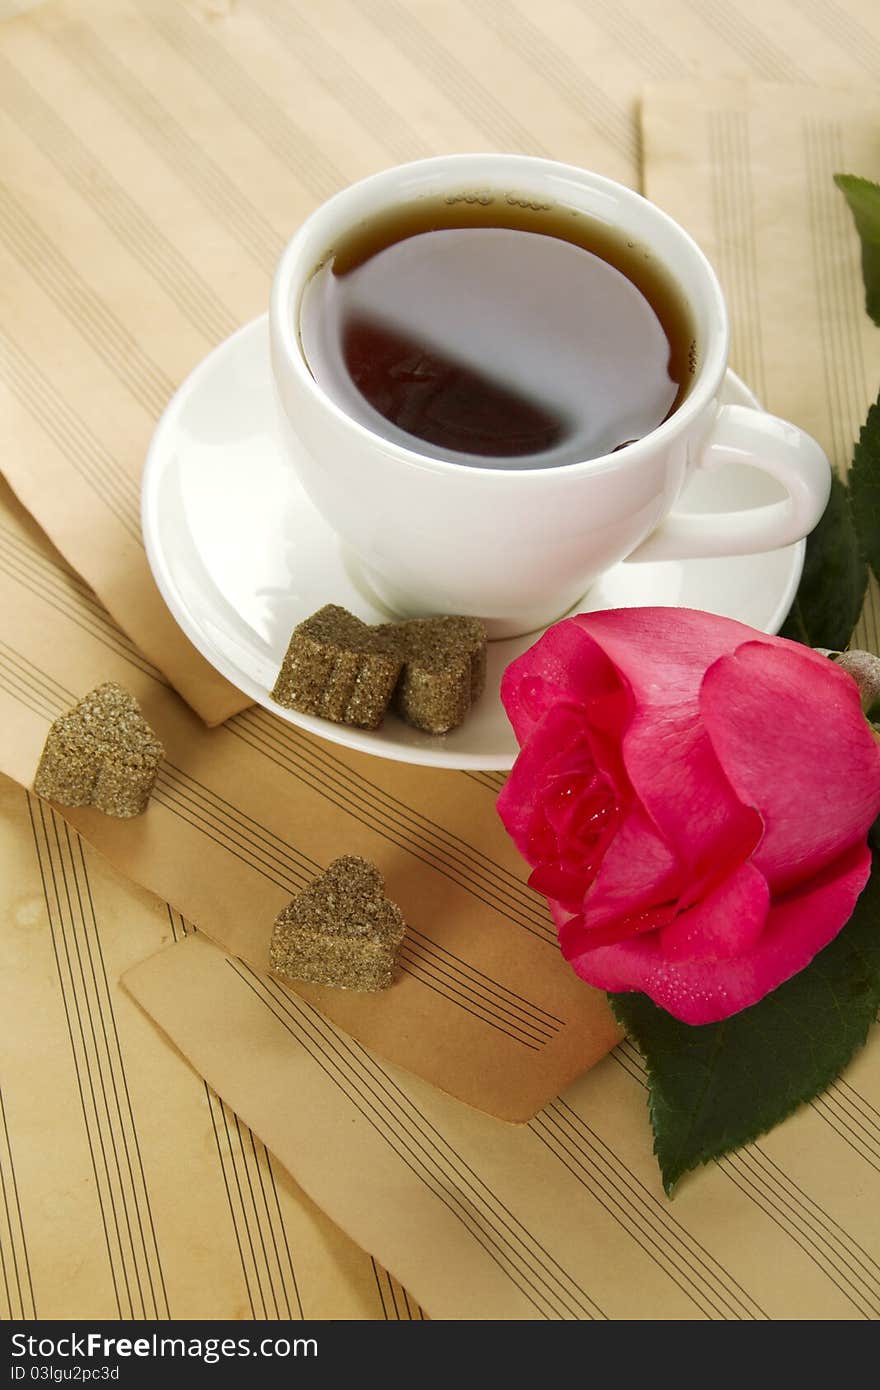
pixel 574 931
pixel 706 990
pixel 673 768
pixel 794 744
pixel 564 666
pixel 564 887
pixel 638 871
pixel 553 743
pixel 728 922
pixel 656 650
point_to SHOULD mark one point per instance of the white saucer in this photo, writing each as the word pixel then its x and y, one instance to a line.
pixel 241 556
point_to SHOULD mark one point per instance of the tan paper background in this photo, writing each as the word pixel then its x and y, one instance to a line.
pixel 130 1190
pixel 563 1218
pixel 748 168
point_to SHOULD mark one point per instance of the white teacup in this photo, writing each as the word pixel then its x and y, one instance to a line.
pixel 519 547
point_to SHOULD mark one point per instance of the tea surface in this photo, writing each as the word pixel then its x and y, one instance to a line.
pixel 497 333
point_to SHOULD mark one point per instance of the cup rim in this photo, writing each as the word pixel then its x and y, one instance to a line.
pixel 285 332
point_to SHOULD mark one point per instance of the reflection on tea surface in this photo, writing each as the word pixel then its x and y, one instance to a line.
pixel 450 331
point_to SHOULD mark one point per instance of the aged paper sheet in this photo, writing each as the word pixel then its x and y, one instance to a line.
pixel 129 1189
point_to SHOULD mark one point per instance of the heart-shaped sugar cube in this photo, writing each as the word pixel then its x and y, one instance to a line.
pixel 340 930
pixel 101 753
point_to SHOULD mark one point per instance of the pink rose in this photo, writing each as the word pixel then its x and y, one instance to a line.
pixel 694 797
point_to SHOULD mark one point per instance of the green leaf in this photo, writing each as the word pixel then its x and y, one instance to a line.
pixel 864 488
pixel 829 599
pixel 716 1087
pixel 863 198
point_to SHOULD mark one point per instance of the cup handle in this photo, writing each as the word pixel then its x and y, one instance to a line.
pixel 742 434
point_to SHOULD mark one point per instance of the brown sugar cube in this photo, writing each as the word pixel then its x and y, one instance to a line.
pixel 444 669
pixel 341 930
pixel 101 753
pixel 334 669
